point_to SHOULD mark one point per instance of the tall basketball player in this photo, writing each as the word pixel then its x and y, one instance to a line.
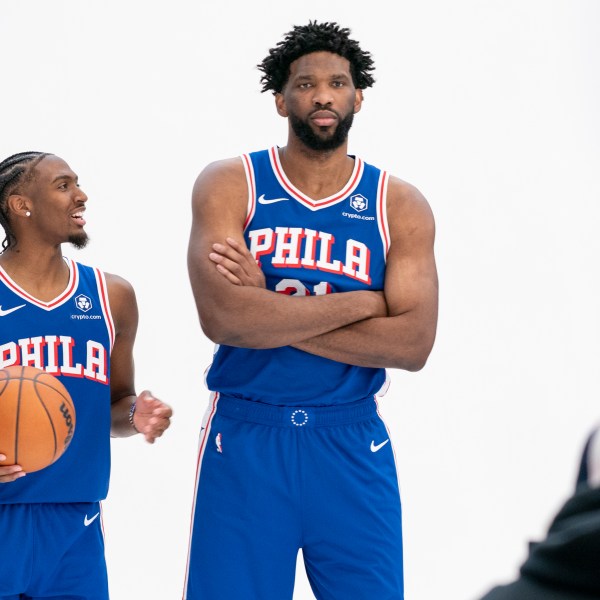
pixel 313 271
pixel 79 324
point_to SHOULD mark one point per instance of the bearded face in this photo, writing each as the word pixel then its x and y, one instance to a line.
pixel 321 138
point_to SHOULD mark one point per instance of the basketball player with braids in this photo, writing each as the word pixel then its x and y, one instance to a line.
pixel 313 271
pixel 78 324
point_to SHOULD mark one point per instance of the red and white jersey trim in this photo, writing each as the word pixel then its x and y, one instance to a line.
pixel 205 432
pixel 295 193
pixel 52 304
pixel 251 189
pixel 382 219
pixel 103 294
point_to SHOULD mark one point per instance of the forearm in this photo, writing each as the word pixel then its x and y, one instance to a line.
pixel 388 342
pixel 257 318
pixel 119 414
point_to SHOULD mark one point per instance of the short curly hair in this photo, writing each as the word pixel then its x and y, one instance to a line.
pixel 315 37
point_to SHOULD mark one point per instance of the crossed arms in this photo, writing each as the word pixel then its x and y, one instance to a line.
pixel 395 328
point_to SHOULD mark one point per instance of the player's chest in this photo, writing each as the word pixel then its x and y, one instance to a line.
pixel 315 252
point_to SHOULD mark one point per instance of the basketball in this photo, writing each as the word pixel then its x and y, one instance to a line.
pixel 37 418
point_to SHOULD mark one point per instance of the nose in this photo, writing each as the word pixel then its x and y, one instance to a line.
pixel 322 95
pixel 81 196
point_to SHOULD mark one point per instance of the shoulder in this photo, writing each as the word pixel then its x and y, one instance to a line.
pixel 224 173
pixel 118 284
pixel 123 302
pixel 408 209
pixel 220 193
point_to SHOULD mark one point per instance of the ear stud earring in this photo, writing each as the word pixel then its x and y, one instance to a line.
pixel 27 214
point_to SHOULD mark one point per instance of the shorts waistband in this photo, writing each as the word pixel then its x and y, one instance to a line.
pixel 296 416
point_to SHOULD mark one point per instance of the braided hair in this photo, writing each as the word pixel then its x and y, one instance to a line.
pixel 15 171
pixel 315 37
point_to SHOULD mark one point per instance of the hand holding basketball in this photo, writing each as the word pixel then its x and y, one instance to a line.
pixel 11 472
pixel 37 420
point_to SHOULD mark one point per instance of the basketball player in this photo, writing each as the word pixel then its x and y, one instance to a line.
pixel 293 453
pixel 79 324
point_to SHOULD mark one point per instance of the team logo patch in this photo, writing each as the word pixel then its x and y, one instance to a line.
pixel 83 303
pixel 359 203
pixel 299 417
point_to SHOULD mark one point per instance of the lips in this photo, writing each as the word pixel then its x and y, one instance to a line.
pixel 324 118
pixel 78 217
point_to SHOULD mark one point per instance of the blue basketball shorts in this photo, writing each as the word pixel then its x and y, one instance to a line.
pixel 52 551
pixel 272 480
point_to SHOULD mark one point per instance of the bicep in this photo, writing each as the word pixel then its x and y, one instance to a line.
pixel 219 206
pixel 411 283
pixel 125 315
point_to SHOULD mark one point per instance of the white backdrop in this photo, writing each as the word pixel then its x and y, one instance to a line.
pixel 489 107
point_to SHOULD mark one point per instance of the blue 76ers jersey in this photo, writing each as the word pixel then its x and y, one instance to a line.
pixel 306 247
pixel 70 337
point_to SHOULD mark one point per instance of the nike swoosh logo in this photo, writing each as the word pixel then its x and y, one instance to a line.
pixel 87 521
pixel 377 448
pixel 3 313
pixel 263 200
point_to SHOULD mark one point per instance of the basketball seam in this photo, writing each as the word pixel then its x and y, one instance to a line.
pixel 66 399
pixel 17 418
pixel 58 391
pixel 49 419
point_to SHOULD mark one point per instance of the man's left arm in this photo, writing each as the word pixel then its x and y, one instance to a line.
pixel 150 416
pixel 404 338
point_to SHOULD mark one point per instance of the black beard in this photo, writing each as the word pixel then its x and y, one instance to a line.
pixel 310 139
pixel 79 240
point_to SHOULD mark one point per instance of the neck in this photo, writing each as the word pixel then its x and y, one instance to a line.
pixel 43 275
pixel 318 174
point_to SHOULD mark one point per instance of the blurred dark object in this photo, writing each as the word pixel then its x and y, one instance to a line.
pixel 566 564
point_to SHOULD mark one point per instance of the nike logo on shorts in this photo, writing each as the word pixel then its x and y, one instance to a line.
pixel 87 522
pixel 263 200
pixel 3 313
pixel 377 448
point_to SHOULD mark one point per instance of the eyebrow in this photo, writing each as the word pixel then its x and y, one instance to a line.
pixel 59 177
pixel 340 75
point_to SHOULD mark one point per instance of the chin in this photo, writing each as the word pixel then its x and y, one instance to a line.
pixel 79 240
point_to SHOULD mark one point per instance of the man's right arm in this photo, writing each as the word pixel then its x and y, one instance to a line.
pixel 245 316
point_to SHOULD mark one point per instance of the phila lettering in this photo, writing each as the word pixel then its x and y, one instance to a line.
pixel 54 354
pixel 297 247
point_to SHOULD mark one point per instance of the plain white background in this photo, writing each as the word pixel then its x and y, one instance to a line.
pixel 489 107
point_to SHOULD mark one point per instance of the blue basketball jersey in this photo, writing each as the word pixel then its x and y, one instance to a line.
pixel 70 337
pixel 305 247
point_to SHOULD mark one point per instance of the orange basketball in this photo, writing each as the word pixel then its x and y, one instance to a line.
pixel 37 418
